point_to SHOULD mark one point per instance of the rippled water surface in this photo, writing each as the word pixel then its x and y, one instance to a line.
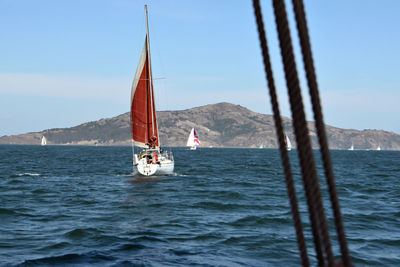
pixel 223 207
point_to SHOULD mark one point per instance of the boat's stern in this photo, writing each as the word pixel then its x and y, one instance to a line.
pixel 145 168
pixel 152 162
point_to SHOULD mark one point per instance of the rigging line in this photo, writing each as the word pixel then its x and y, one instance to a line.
pixel 309 173
pixel 153 116
pixel 133 155
pixel 157 92
pixel 279 132
pixel 132 143
pixel 305 43
pixel 147 135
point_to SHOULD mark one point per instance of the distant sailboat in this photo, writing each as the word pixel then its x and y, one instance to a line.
pixel 44 141
pixel 378 148
pixel 193 140
pixel 352 147
pixel 288 143
pixel 150 161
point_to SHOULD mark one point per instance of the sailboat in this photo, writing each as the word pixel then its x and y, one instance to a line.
pixel 378 148
pixel 151 160
pixel 288 143
pixel 352 147
pixel 44 141
pixel 193 140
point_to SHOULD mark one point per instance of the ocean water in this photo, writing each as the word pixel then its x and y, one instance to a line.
pixel 81 206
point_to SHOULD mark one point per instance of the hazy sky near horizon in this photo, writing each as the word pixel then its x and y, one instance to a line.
pixel 67 62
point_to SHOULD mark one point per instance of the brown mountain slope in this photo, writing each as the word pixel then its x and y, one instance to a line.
pixel 218 125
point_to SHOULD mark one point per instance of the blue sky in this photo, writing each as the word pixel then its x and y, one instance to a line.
pixel 63 63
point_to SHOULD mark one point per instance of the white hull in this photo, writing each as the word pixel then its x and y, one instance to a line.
pixel 164 168
pixel 145 167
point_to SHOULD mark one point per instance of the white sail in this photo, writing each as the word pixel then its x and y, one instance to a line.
pixel 193 141
pixel 288 144
pixel 378 148
pixel 352 147
pixel 44 141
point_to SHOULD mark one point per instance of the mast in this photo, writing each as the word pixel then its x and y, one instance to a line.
pixel 153 116
pixel 143 108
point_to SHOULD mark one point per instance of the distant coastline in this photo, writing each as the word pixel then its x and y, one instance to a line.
pixel 218 125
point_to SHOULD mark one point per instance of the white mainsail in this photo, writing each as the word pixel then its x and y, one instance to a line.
pixel 288 144
pixel 44 141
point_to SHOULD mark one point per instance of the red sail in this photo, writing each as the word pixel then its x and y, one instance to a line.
pixel 196 137
pixel 143 110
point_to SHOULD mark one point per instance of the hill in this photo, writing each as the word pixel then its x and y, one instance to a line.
pixel 218 125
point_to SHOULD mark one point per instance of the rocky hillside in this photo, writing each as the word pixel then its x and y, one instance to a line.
pixel 218 125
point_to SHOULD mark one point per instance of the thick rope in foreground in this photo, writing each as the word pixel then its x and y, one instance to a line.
pixel 279 131
pixel 305 43
pixel 309 173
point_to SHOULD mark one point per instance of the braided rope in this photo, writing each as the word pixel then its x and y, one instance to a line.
pixel 310 178
pixel 279 131
pixel 303 34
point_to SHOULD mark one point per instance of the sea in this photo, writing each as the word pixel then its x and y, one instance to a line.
pixel 82 206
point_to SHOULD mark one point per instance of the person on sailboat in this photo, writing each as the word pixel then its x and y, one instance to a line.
pixel 146 155
pixel 155 157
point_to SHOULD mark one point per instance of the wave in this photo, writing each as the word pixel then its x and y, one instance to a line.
pixel 126 174
pixel 94 258
pixel 206 214
pixel 28 174
pixel 219 206
pixel 4 211
pixel 79 233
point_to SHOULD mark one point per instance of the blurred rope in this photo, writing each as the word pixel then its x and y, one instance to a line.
pixel 302 29
pixel 309 173
pixel 279 131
